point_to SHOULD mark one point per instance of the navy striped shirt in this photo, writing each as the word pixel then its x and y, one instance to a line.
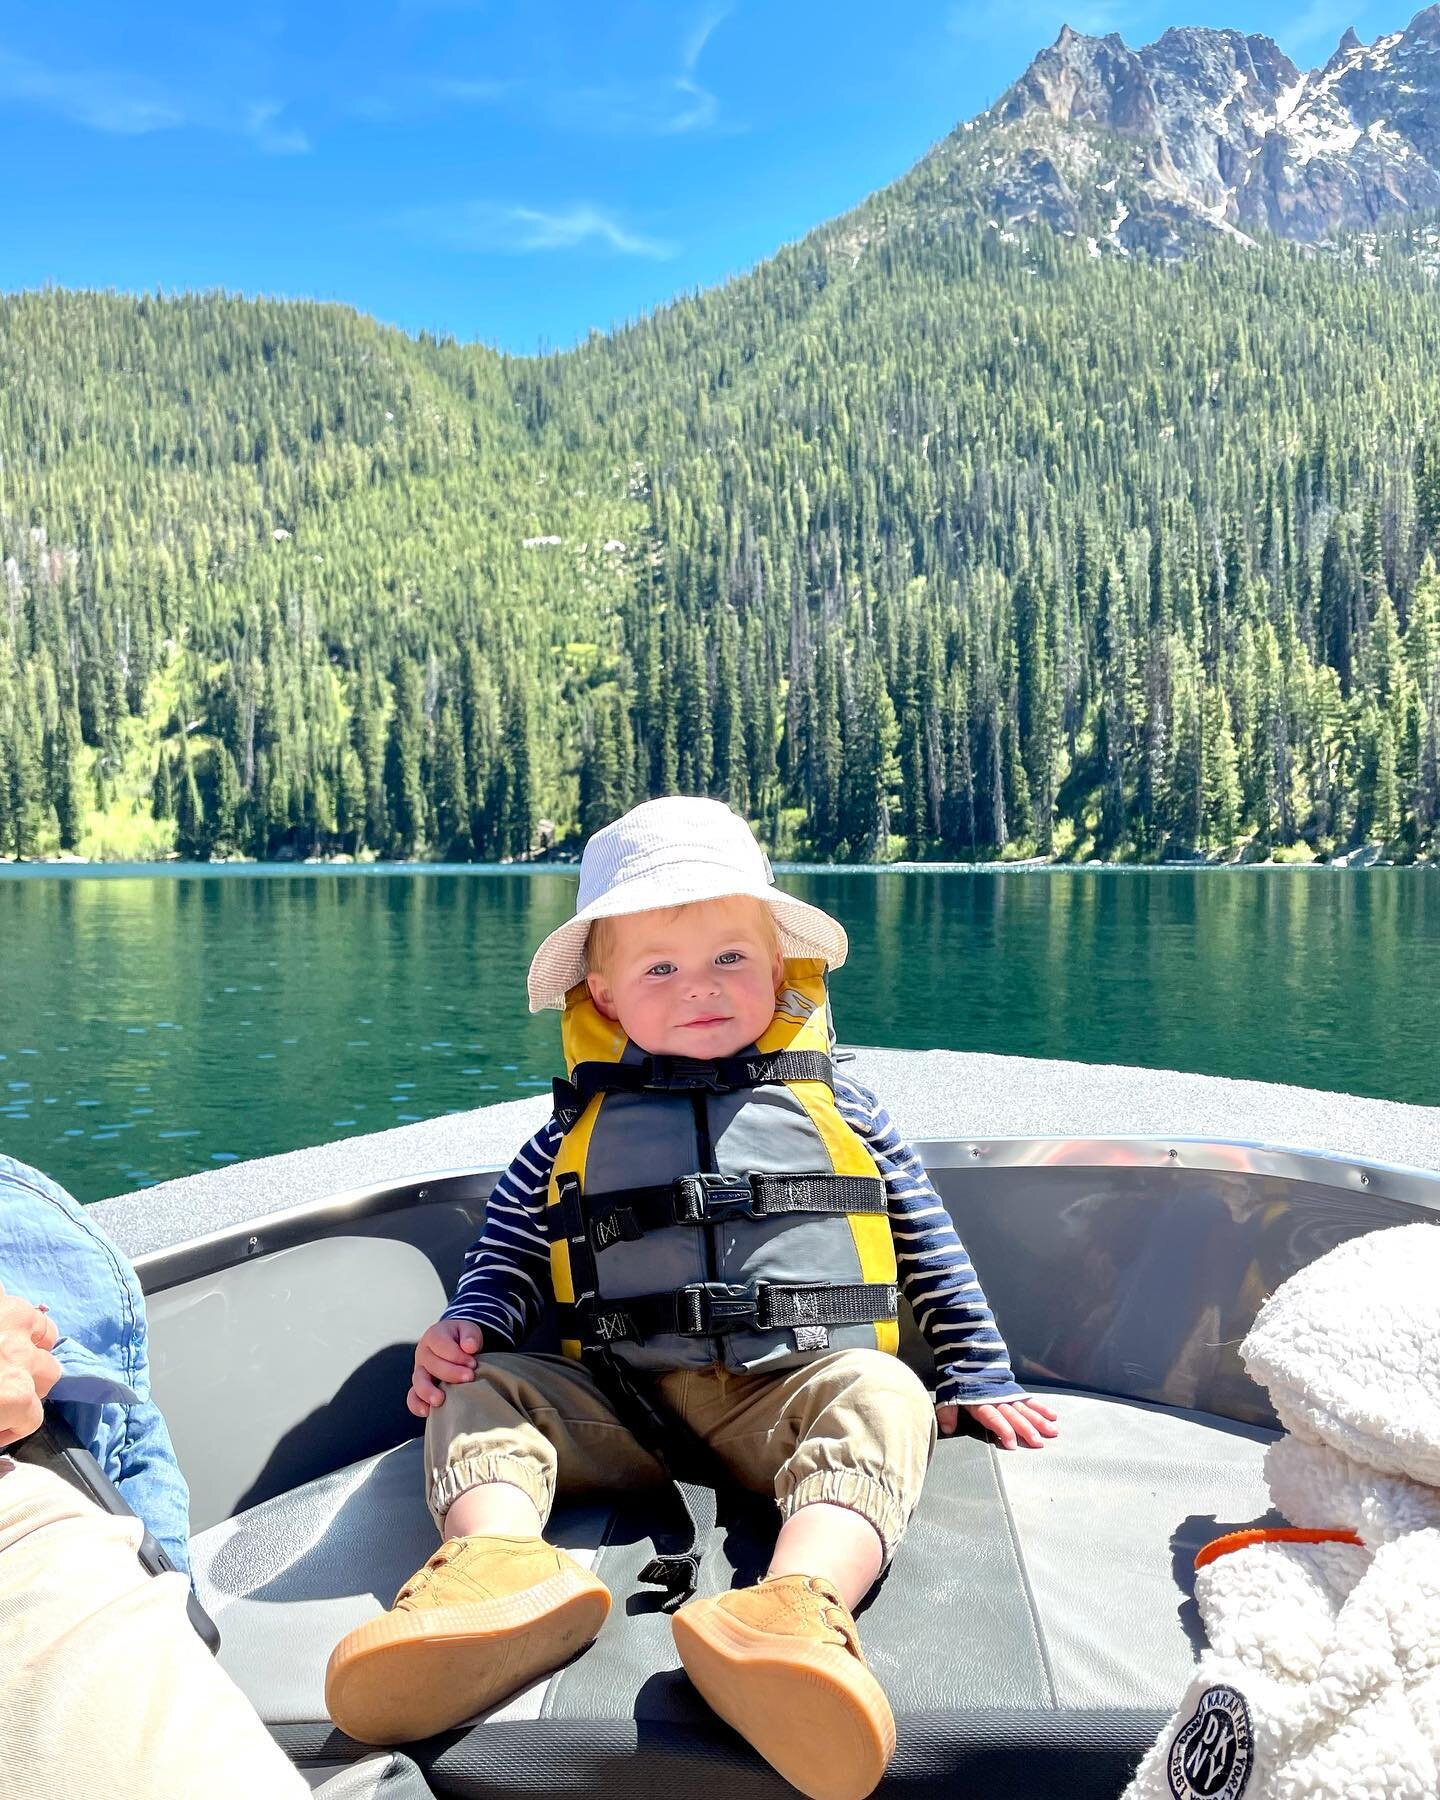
pixel 505 1282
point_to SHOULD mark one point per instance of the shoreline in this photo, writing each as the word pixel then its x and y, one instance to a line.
pixel 1360 861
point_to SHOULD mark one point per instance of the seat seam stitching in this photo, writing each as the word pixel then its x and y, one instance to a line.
pixel 552 1687
pixel 1013 1531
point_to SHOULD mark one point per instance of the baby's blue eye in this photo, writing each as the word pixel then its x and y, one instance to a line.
pixel 660 969
pixel 730 956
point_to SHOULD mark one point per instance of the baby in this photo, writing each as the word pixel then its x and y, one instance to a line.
pixel 725 1226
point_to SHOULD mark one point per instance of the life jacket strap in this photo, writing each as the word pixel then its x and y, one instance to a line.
pixel 625 1215
pixel 718 1308
pixel 685 1075
pixel 675 1445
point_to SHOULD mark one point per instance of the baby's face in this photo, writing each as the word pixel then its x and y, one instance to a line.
pixel 698 981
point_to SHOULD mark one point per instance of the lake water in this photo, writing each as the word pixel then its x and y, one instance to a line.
pixel 153 1024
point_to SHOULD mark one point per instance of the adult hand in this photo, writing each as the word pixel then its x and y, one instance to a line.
pixel 445 1354
pixel 1012 1422
pixel 27 1369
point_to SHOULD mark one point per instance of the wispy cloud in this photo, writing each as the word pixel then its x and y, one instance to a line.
pixel 93 97
pixel 126 105
pixel 702 108
pixel 470 93
pixel 413 97
pixel 670 106
pixel 262 123
pixel 487 226
pixel 1011 22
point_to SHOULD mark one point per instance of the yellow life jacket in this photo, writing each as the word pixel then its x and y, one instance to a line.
pixel 716 1212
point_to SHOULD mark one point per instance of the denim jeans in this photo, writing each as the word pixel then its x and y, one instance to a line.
pixel 52 1252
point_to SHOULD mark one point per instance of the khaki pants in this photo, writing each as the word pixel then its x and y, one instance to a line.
pixel 106 1693
pixel 855 1428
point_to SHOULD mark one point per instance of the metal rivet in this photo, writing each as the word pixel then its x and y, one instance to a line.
pixel 975 1150
pixel 1364 1181
pixel 1174 1155
pixel 422 1194
pixel 252 1246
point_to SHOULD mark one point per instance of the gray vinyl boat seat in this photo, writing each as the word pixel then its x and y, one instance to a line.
pixel 1034 1633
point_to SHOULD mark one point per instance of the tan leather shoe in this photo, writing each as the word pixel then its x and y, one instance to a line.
pixel 485 1616
pixel 781 1662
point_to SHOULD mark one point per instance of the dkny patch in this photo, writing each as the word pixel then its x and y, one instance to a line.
pixel 1214 1749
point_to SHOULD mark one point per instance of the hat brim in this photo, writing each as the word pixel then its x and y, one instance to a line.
pixel 560 962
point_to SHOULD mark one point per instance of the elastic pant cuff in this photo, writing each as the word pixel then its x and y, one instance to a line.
pixel 861 1493
pixel 467 1472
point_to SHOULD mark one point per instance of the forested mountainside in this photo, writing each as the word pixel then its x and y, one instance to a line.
pixel 941 533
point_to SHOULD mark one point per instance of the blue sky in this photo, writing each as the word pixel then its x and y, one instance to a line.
pixel 513 173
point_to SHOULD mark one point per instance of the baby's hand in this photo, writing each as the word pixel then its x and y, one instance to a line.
pixel 446 1354
pixel 1027 1422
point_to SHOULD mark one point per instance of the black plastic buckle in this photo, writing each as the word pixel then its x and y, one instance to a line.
pixel 709 1199
pixel 678 1576
pixel 678 1075
pixel 709 1308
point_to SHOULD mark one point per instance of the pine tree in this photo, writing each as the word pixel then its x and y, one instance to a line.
pixel 959 815
pixel 27 787
pixel 7 817
pixel 1427 493
pixel 1386 824
pixel 368 739
pixel 222 834
pixel 1220 775
pixel 452 800
pixel 695 740
pixel 601 797
pixel 350 806
pixel 1339 582
pixel 191 838
pixel 162 787
pixel 731 776
pixel 518 831
pixel 826 832
pixel 65 780
pixel 1183 817
pixel 870 770
pixel 404 787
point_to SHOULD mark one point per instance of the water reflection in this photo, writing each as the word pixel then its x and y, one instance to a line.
pixel 166 1023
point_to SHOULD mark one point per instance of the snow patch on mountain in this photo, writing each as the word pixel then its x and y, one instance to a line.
pixel 1208 130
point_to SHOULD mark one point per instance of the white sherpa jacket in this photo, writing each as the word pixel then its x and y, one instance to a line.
pixel 1322 1679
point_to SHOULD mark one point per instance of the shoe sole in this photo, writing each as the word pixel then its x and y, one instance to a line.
pixel 407 1675
pixel 816 1714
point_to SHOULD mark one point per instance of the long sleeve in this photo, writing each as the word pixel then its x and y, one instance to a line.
pixel 149 1478
pixel 504 1284
pixel 972 1364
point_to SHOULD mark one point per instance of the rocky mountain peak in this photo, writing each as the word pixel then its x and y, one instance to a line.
pixel 1214 130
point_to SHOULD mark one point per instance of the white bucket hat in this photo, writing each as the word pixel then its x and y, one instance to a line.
pixel 673 852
